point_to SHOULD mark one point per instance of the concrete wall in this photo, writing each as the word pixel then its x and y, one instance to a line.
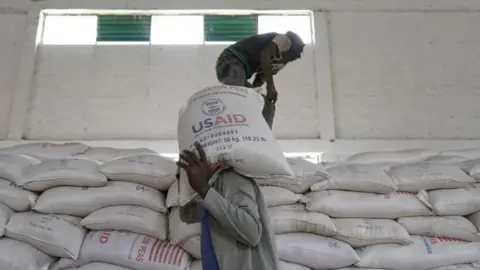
pixel 379 70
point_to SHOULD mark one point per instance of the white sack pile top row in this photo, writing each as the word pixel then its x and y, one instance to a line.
pixel 113 209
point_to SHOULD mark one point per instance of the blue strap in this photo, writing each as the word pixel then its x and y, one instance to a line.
pixel 209 259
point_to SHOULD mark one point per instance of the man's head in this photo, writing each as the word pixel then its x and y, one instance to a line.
pixel 296 48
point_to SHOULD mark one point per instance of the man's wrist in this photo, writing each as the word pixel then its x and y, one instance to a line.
pixel 203 191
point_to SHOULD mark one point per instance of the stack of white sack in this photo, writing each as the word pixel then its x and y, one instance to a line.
pixel 429 231
pixel 228 122
pixel 32 240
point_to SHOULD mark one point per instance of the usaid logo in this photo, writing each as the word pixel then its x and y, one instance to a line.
pixel 213 107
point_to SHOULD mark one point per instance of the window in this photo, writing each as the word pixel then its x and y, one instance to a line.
pixel 164 29
pixel 69 30
pixel 299 24
pixel 177 29
pixel 124 28
pixel 228 28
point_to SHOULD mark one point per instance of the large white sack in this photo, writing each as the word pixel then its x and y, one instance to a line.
pixel 192 246
pixel 106 154
pixel 179 230
pixel 450 226
pixel 12 166
pixel 446 159
pixel 282 265
pixel 131 218
pixel 315 251
pixel 46 150
pixel 81 202
pixel 196 265
pixel 416 177
pixel 16 255
pixel 475 219
pixel 99 266
pixel 173 200
pixel 228 122
pixel 275 196
pixel 285 221
pixel 127 249
pixel 56 235
pixel 16 197
pixel 455 202
pixel 463 266
pixel 359 232
pixel 348 204
pixel 470 153
pixel 306 174
pixel 401 156
pixel 62 172
pixel 425 253
pixel 5 213
pixel 152 170
pixel 474 171
pixel 357 177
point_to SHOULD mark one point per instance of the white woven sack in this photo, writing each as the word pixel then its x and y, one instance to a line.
pixel 15 197
pixel 152 170
pixel 56 235
pixel 275 196
pixel 99 266
pixel 130 250
pixel 402 156
pixel 416 177
pixel 463 266
pixel 349 204
pixel 457 227
pixel 475 219
pixel 455 202
pixel 130 218
pixel 77 201
pixel 179 230
pixel 173 199
pixel 306 174
pixel 5 214
pixel 289 207
pixel 282 265
pixel 16 255
pixel 425 253
pixel 46 150
pixel 196 265
pixel 106 154
pixel 192 246
pixel 357 177
pixel 359 232
pixel 474 171
pixel 284 221
pixel 315 251
pixel 446 159
pixel 228 122
pixel 12 166
pixel 62 172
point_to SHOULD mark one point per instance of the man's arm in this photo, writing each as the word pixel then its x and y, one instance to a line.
pixel 237 212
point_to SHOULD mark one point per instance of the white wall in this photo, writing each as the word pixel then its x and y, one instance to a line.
pixel 379 70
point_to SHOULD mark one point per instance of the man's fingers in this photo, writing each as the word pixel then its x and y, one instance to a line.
pixel 201 152
pixel 193 159
pixel 186 159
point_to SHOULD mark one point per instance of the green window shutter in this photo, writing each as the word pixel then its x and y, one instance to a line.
pixel 123 28
pixel 229 27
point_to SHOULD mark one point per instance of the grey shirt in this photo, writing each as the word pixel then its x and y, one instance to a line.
pixel 240 228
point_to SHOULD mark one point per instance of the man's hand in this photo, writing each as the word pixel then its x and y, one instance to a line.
pixel 198 170
pixel 272 94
